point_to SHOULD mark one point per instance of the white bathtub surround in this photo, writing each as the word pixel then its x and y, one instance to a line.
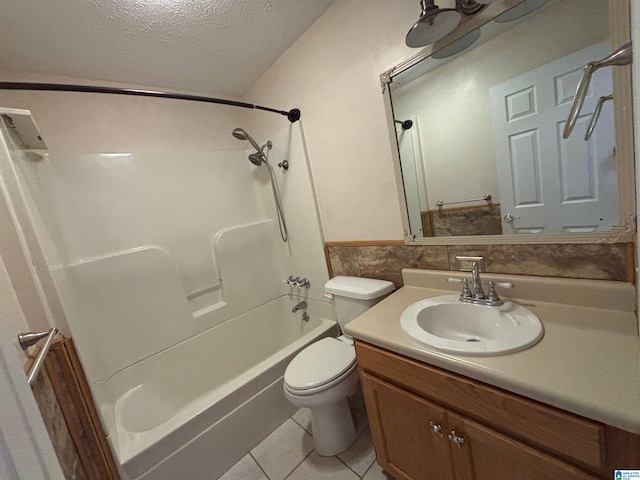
pixel 288 454
pixel 201 225
pixel 170 269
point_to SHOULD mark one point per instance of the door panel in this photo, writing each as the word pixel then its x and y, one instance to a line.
pixel 401 428
pixel 488 455
pixel 549 184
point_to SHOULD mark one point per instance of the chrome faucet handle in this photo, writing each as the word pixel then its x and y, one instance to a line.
pixel 465 294
pixel 466 291
pixel 289 281
pixel 303 282
pixel 493 299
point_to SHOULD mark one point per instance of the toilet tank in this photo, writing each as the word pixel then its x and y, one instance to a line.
pixel 353 296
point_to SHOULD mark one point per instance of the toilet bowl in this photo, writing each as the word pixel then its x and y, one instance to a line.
pixel 321 378
pixel 324 377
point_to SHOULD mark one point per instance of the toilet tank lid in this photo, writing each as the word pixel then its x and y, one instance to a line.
pixel 358 287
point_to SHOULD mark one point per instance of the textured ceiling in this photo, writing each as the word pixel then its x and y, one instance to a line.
pixel 211 46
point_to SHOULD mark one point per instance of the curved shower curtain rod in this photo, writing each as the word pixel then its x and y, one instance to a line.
pixel 293 115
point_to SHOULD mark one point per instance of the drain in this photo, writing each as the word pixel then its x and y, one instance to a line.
pixel 473 340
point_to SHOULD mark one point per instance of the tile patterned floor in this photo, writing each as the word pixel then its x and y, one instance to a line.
pixel 288 454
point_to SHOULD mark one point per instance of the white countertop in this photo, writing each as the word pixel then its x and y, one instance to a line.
pixel 587 363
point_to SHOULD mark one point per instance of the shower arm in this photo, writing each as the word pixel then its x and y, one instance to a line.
pixel 293 115
pixel 622 56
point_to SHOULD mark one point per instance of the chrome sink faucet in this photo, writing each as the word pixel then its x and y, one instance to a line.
pixel 475 293
pixel 478 292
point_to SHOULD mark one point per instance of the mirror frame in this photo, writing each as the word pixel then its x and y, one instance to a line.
pixel 620 33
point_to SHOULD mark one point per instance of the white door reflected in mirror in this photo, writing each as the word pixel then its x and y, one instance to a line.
pixel 547 183
pixel 555 188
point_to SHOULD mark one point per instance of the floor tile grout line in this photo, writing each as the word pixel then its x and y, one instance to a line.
pixel 301 462
pixel 301 426
pixel 347 465
pixel 367 470
pixel 259 466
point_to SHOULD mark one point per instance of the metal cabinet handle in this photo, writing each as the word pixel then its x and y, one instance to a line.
pixel 437 429
pixel 456 439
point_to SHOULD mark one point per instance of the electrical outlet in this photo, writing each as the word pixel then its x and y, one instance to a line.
pixel 465 264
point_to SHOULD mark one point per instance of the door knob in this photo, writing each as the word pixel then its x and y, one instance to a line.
pixel 509 218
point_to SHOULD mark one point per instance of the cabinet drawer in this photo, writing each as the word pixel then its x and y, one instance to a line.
pixel 564 434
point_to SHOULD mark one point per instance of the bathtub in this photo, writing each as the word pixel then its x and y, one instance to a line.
pixel 193 410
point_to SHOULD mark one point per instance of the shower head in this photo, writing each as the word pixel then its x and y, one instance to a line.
pixel 259 157
pixel 256 158
pixel 240 134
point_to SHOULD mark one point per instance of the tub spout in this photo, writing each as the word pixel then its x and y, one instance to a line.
pixel 299 306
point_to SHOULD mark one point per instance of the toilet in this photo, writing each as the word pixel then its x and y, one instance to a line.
pixel 324 377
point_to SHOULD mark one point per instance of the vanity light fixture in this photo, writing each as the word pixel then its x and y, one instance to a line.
pixel 436 23
pixel 459 45
pixel 520 10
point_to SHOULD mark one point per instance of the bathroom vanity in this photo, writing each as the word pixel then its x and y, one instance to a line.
pixel 565 408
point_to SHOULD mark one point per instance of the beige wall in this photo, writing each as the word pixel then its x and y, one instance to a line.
pixel 332 74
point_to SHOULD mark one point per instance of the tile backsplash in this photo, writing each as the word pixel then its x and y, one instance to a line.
pixel 613 261
pixel 446 222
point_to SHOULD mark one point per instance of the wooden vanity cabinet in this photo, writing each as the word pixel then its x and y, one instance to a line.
pixel 409 437
pixel 427 423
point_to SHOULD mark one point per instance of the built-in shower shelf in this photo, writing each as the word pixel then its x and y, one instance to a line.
pixel 23 129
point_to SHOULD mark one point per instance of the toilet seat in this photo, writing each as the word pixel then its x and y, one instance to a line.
pixel 320 366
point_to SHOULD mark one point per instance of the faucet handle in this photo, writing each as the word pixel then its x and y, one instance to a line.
pixel 303 282
pixel 289 281
pixel 466 291
pixel 493 298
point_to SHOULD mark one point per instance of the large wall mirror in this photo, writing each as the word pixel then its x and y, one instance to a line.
pixel 479 119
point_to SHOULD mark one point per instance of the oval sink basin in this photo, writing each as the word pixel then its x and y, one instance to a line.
pixel 447 324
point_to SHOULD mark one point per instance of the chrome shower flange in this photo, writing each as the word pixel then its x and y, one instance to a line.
pixel 284 164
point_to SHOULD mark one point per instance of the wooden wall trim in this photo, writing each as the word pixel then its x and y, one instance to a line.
pixel 365 243
pixel 327 259
pixel 74 398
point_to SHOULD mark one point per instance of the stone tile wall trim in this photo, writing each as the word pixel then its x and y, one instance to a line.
pixel 591 261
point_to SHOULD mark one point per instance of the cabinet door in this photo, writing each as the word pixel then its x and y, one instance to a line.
pixel 487 455
pixel 402 427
